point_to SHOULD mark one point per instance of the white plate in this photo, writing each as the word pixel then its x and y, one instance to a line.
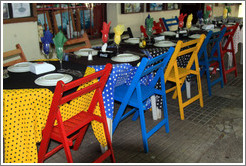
pixel 125 58
pixel 168 33
pixel 195 36
pixel 165 44
pixel 231 23
pixel 215 30
pixel 194 28
pixel 85 52
pixel 20 67
pixel 132 40
pixel 52 79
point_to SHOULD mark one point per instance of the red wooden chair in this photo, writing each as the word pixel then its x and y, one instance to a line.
pixel 230 31
pixel 75 127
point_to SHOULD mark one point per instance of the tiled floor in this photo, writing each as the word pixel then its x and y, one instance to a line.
pixel 212 134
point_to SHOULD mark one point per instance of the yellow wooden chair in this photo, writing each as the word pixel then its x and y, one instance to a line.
pixel 178 75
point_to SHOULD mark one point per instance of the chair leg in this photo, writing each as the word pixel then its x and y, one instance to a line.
pixel 164 103
pixel 80 137
pixel 181 108
pixel 43 148
pixel 200 89
pixel 143 128
pixel 221 74
pixel 234 62
pixel 64 139
pixel 223 68
pixel 208 81
pixel 135 116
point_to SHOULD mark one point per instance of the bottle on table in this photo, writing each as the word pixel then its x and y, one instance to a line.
pixel 177 34
pixel 142 41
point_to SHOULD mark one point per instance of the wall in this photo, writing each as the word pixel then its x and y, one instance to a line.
pixel 135 20
pixel 218 10
pixel 26 34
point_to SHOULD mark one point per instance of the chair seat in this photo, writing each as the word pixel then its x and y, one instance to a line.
pixel 183 72
pixel 71 125
pixel 120 93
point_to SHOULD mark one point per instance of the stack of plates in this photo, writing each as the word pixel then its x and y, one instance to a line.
pixel 85 52
pixel 52 79
pixel 168 33
pixel 195 36
pixel 165 44
pixel 132 40
pixel 20 67
pixel 125 58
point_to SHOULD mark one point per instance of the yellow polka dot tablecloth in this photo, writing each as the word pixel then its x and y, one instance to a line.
pixel 24 116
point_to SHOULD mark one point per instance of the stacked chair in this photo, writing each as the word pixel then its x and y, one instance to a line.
pixel 207 59
pixel 136 94
pixel 170 22
pixel 75 127
pixel 77 43
pixel 229 34
pixel 178 75
pixel 10 56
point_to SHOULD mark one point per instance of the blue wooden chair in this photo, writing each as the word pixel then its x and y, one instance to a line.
pixel 170 22
pixel 207 60
pixel 136 94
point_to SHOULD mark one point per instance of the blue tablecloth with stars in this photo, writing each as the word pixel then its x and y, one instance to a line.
pixel 120 74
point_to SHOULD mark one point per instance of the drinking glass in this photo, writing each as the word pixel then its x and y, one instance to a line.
pixel 117 45
pixel 149 32
pixel 60 54
pixel 5 74
pixel 47 50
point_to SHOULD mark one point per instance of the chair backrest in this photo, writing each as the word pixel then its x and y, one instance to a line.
pixel 127 33
pixel 191 47
pixel 213 38
pixel 77 44
pixel 12 55
pixel 162 24
pixel 59 98
pixel 170 22
pixel 68 14
pixel 148 66
pixel 230 31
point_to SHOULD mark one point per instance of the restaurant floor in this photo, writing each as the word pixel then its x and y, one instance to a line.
pixel 212 134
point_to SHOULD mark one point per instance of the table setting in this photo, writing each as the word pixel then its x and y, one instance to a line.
pixel 27 94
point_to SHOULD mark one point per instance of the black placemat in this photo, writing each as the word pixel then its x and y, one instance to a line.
pixel 97 60
pixel 26 80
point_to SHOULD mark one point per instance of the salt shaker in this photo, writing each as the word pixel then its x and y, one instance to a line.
pixel 90 56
